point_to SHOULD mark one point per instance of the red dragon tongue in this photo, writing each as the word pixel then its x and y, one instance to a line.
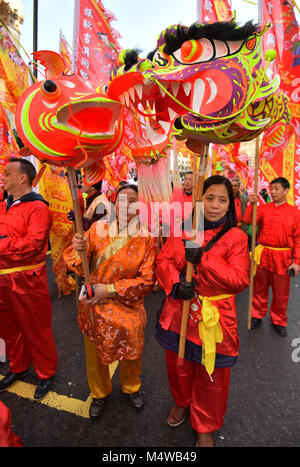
pixel 93 120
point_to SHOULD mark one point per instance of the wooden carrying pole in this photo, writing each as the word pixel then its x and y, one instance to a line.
pixel 79 227
pixel 254 217
pixel 189 268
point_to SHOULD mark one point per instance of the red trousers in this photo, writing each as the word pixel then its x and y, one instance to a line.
pixel 280 285
pixel 7 437
pixel 192 387
pixel 26 327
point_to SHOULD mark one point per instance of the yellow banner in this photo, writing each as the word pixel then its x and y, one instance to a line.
pixel 54 187
pixel 13 72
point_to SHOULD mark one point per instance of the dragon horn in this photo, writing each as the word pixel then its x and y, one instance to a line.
pixel 52 61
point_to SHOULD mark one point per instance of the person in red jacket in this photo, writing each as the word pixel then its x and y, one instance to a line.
pixel 277 254
pixel 25 306
pixel 241 202
pixel 8 439
pixel 187 195
pixel 222 267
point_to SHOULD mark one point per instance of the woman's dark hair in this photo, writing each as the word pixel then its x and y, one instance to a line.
pixel 122 186
pixel 125 186
pixel 231 220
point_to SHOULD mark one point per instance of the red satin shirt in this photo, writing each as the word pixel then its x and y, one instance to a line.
pixel 279 227
pixel 24 234
pixel 222 270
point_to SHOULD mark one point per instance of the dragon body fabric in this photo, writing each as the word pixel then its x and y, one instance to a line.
pixel 204 83
pixel 65 120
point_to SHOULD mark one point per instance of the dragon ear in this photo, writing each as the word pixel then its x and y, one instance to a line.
pixel 52 61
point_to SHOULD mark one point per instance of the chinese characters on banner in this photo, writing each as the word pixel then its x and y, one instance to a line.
pixel 210 11
pixel 95 48
pixel 95 55
pixel 13 72
pixel 283 160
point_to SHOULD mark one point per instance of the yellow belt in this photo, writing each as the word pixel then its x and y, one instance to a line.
pixel 210 331
pixel 258 252
pixel 21 268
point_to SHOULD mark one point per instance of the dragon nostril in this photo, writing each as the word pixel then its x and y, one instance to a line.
pixel 49 86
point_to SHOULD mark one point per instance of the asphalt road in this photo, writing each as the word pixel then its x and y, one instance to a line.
pixel 263 406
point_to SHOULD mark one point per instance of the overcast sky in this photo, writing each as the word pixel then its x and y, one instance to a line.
pixel 139 22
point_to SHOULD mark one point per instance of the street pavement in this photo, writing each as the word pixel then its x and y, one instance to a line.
pixel 263 406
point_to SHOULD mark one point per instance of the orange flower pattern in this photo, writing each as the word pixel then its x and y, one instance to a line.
pixel 128 264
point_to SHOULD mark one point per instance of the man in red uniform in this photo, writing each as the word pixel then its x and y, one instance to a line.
pixel 240 202
pixel 25 306
pixel 277 254
pixel 188 186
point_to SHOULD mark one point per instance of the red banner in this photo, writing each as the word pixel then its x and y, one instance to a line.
pixel 210 11
pixel 95 55
pixel 65 50
pixel 8 145
pixel 281 155
pixel 95 48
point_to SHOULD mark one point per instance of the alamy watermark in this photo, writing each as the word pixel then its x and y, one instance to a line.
pixel 161 219
pixel 296 352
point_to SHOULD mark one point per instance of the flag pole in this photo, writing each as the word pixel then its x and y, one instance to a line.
pixel 35 31
pixel 79 228
pixel 253 238
pixel 189 268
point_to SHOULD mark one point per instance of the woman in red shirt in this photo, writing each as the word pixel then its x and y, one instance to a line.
pixel 221 271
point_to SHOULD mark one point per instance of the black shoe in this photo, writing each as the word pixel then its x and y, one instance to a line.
pixel 42 389
pixel 137 400
pixel 255 322
pixel 281 330
pixel 97 408
pixel 10 378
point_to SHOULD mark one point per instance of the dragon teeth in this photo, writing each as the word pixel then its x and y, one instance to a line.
pixel 213 90
pixel 162 91
pixel 175 87
pixel 139 90
pixel 187 86
pixel 172 114
pixel 126 96
pixel 165 125
pixel 198 94
pixel 131 93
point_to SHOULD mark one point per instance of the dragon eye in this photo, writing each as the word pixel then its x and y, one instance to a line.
pixel 195 51
pixel 203 50
pixel 49 86
pixel 50 89
pixel 191 50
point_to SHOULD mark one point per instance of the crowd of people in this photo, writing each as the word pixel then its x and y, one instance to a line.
pixel 124 267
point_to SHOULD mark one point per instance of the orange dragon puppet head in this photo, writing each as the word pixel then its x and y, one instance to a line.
pixel 65 120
